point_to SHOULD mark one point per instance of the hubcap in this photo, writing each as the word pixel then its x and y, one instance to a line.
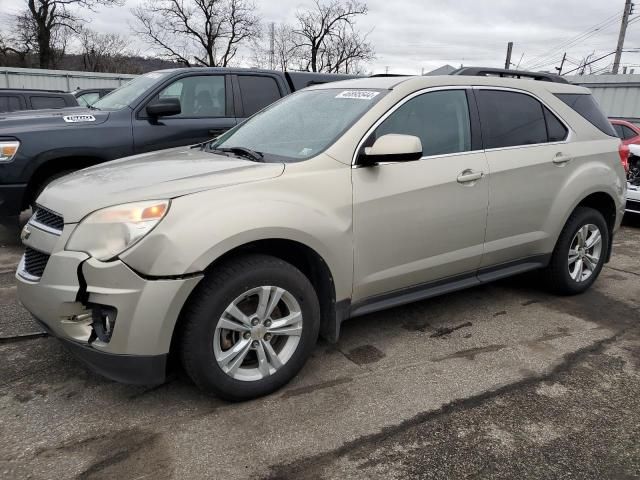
pixel 258 333
pixel 585 252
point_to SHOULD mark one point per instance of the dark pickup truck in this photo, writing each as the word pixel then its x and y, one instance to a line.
pixel 162 109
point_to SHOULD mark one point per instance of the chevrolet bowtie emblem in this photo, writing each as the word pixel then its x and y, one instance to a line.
pixel 26 233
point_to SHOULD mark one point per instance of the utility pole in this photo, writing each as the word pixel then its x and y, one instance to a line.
pixel 628 8
pixel 564 57
pixel 507 62
pixel 272 46
pixel 386 70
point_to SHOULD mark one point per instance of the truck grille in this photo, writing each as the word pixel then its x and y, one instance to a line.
pixel 633 205
pixel 35 262
pixel 48 219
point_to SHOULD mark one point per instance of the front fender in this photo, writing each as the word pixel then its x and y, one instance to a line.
pixel 314 210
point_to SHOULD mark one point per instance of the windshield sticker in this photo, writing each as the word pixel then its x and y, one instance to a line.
pixel 358 94
pixel 79 118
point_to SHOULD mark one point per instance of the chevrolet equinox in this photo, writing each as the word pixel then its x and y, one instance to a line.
pixel 339 200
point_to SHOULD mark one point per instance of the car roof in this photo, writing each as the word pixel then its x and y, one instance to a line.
pixel 31 90
pixel 419 82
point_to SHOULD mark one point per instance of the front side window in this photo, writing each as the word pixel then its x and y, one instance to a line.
pixel 440 119
pixel 510 119
pixel 200 96
pixel 127 94
pixel 300 125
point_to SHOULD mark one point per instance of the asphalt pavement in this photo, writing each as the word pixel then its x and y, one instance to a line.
pixel 500 381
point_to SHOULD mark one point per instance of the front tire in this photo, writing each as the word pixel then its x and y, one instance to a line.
pixel 580 252
pixel 249 328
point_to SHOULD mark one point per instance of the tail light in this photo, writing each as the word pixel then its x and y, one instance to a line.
pixel 624 152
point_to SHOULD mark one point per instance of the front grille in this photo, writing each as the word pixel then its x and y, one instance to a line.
pixel 633 205
pixel 49 219
pixel 35 262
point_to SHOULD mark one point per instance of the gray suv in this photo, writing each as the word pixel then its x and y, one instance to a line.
pixel 337 201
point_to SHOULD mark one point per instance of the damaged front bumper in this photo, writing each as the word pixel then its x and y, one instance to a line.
pixel 113 319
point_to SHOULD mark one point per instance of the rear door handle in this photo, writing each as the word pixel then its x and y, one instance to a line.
pixel 468 176
pixel 561 159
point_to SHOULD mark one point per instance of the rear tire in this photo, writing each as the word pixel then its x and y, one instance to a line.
pixel 580 252
pixel 259 306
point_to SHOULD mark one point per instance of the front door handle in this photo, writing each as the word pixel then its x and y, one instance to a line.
pixel 468 176
pixel 561 159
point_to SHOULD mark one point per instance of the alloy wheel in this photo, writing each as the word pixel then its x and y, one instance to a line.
pixel 585 252
pixel 258 333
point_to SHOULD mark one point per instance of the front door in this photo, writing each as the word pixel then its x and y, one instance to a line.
pixel 422 221
pixel 206 114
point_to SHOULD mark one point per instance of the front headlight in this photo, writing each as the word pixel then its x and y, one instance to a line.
pixel 8 150
pixel 107 233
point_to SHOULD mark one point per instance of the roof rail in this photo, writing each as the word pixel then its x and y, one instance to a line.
pixel 501 72
pixel 392 75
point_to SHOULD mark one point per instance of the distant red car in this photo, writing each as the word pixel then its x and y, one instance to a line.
pixel 627 131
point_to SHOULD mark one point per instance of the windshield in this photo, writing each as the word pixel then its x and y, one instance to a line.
pixel 301 125
pixel 123 96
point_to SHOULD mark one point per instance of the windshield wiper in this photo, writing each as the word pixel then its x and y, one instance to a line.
pixel 242 151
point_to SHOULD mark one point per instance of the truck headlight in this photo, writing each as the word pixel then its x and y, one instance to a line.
pixel 105 234
pixel 8 150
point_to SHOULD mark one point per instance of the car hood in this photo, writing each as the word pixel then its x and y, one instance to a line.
pixel 60 118
pixel 152 176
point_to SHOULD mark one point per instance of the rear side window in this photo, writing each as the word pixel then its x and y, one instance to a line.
pixel 556 131
pixel 618 130
pixel 439 119
pixel 47 102
pixel 510 119
pixel 627 133
pixel 257 93
pixel 9 103
pixel 587 107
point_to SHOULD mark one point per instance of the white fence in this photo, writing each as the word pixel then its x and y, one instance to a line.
pixel 59 79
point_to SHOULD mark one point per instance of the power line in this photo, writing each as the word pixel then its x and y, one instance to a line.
pixel 571 41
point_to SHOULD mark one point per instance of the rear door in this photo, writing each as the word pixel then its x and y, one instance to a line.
pixel 207 112
pixel 529 161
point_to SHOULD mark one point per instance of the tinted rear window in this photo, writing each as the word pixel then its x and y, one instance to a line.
pixel 509 119
pixel 555 128
pixel 47 102
pixel 587 107
pixel 257 93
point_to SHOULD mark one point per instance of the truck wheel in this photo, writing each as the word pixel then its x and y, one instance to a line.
pixel 580 252
pixel 249 328
pixel 44 184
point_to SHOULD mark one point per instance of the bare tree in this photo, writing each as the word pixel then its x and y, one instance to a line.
pixel 285 50
pixel 326 32
pixel 201 32
pixel 48 24
pixel 105 52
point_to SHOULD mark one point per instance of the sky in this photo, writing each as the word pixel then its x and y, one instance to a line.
pixel 410 36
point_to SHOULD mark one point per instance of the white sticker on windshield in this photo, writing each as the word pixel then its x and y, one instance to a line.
pixel 79 118
pixel 358 94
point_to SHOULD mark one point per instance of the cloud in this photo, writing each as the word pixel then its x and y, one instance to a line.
pixel 409 35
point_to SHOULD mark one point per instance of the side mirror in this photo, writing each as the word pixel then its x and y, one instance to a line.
pixel 392 148
pixel 164 108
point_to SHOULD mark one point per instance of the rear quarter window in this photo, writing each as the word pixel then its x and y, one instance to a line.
pixel 586 106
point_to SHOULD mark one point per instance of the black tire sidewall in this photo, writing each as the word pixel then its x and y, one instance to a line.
pixel 204 318
pixel 581 218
